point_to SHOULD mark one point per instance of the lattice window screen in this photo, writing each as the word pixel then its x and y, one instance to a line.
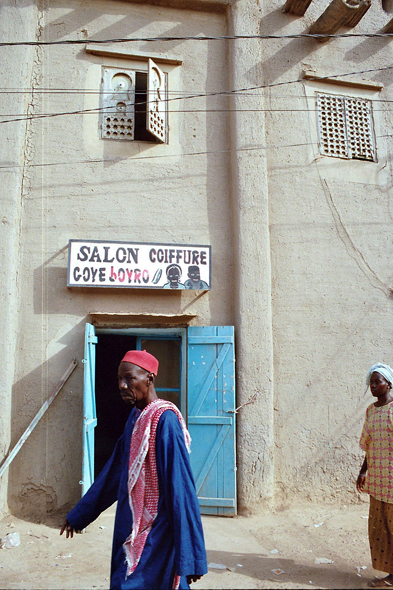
pixel 118 99
pixel 345 127
pixel 360 129
pixel 156 115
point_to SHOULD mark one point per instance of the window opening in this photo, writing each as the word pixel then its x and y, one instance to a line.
pixel 141 133
pixel 134 104
pixel 345 127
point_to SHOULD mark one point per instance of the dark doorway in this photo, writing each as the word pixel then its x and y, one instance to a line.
pixel 112 412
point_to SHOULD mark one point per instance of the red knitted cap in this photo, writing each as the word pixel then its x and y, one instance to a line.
pixel 142 359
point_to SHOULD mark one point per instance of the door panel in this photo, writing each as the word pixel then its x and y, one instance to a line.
pixel 211 418
pixel 89 408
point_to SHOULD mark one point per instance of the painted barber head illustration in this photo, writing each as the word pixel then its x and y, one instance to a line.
pixel 173 274
pixel 194 279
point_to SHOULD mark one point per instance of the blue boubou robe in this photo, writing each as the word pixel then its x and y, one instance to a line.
pixel 175 542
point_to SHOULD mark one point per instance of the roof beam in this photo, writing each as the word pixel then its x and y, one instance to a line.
pixel 339 13
pixel 297 7
pixel 389 27
pixel 387 5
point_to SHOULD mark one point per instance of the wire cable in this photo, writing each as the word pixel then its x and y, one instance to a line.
pixel 22 116
pixel 204 95
pixel 380 34
pixel 186 154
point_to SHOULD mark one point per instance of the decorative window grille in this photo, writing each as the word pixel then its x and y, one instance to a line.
pixel 345 127
pixel 118 101
pixel 134 104
pixel 156 114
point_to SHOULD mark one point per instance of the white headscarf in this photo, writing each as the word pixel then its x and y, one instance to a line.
pixel 383 370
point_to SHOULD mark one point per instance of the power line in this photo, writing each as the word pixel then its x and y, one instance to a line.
pixel 22 117
pixel 196 38
pixel 186 95
pixel 163 156
pixel 204 95
pixel 246 89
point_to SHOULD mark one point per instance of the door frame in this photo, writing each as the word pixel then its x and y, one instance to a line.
pixel 217 501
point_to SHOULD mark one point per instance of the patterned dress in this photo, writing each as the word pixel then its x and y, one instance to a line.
pixel 377 442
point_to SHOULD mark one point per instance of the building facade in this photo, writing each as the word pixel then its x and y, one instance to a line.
pixel 261 172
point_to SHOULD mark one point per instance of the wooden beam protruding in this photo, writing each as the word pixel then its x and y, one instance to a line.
pixel 338 14
pixel 387 5
pixel 358 14
pixel 297 7
pixel 389 27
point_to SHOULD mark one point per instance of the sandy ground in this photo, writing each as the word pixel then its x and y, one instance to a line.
pixel 246 549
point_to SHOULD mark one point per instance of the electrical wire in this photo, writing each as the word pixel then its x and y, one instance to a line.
pixel 202 95
pixel 240 92
pixel 223 92
pixel 380 34
pixel 22 117
pixel 163 156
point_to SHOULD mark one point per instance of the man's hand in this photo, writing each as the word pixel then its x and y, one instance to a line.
pixel 191 579
pixel 69 529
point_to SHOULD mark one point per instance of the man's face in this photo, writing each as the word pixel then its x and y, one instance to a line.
pixel 194 275
pixel 133 384
pixel 173 275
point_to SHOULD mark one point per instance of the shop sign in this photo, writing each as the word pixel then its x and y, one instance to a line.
pixel 138 265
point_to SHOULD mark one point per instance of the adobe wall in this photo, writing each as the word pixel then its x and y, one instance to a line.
pixel 331 253
pixel 86 188
pixel 18 65
pixel 252 293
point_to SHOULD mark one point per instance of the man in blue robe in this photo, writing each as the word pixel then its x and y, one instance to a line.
pixel 174 547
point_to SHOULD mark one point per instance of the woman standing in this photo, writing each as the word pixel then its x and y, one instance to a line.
pixel 376 473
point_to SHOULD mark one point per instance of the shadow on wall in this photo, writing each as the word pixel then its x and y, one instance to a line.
pixel 290 55
pixel 48 280
pixel 294 51
pixel 45 473
pixel 367 49
pixel 51 295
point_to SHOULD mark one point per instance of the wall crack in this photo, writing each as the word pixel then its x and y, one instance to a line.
pixel 350 247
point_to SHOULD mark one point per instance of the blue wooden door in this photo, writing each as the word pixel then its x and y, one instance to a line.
pixel 89 408
pixel 211 417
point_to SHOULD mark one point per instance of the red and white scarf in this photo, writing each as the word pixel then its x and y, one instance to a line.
pixel 143 492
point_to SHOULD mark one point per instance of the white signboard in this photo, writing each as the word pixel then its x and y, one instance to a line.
pixel 138 266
